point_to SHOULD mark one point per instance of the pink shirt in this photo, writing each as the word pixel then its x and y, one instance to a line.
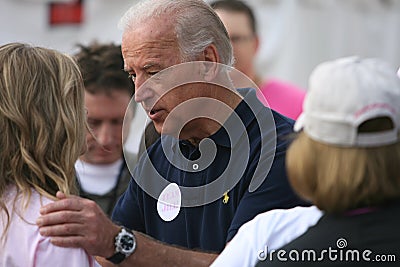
pixel 283 97
pixel 25 247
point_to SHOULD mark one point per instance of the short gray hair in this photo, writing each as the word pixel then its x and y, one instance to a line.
pixel 196 25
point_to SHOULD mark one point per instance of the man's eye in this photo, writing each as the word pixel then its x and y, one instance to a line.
pixel 93 123
pixel 153 73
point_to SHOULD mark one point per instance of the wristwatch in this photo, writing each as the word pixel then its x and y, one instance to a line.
pixel 125 245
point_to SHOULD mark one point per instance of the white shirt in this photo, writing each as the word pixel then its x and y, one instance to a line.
pixel 23 245
pixel 267 231
pixel 98 179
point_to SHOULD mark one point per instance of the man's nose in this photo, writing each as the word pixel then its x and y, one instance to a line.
pixel 144 90
pixel 105 135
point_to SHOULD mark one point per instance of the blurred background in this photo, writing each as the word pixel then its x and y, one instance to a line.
pixel 296 35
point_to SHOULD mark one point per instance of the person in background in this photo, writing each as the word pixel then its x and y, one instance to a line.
pixel 241 24
pixel 42 122
pixel 346 161
pixel 184 203
pixel 102 171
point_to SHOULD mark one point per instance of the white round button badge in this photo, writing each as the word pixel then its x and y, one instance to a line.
pixel 169 202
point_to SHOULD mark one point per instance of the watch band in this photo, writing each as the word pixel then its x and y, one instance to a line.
pixel 116 258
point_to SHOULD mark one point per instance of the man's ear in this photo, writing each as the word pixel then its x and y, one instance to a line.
pixel 210 53
pixel 211 60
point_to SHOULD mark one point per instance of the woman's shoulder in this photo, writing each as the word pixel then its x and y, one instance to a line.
pixel 24 238
pixel 24 210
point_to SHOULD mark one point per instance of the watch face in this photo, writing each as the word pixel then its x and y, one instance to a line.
pixel 127 243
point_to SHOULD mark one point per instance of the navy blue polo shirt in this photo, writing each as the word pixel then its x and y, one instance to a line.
pixel 249 150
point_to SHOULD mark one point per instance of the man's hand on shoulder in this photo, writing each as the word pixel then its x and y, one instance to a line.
pixel 78 222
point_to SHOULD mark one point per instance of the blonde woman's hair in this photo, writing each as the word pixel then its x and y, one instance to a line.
pixel 337 178
pixel 42 121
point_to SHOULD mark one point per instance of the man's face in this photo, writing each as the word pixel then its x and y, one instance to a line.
pixel 105 118
pixel 244 41
pixel 148 49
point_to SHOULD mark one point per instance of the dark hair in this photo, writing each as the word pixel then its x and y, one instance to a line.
pixel 236 6
pixel 102 68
